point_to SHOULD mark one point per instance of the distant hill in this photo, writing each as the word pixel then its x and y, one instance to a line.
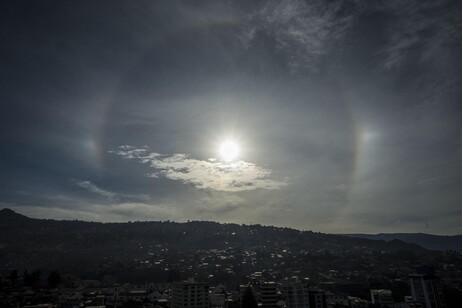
pixel 428 241
pixel 8 216
pixel 210 251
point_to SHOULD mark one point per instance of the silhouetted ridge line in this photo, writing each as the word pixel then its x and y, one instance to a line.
pixel 136 251
pixel 7 213
pixel 428 241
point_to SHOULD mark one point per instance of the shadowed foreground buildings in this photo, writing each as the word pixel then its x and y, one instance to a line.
pixel 426 289
pixel 317 298
pixel 268 294
pixel 382 297
pixel 295 294
pixel 190 295
pixel 426 293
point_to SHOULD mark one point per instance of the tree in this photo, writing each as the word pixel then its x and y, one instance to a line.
pixel 54 279
pixel 248 300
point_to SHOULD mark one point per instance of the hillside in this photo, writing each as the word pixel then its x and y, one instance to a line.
pixel 211 251
pixel 428 241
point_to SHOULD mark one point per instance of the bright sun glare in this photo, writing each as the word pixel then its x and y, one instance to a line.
pixel 229 150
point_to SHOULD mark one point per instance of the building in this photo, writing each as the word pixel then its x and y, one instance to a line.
pixel 296 295
pixel 427 290
pixel 244 295
pixel 190 295
pixel 217 300
pixel 217 296
pixel 356 302
pixel 337 300
pixel 317 298
pixel 268 294
pixel 408 303
pixel 382 297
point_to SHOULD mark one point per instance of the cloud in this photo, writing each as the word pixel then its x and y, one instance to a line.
pixel 210 206
pixel 206 174
pixel 120 212
pixel 107 194
pixel 95 189
pixel 304 31
pixel 428 27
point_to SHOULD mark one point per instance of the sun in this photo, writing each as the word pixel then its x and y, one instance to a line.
pixel 229 150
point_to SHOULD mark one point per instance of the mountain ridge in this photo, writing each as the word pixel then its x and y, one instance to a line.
pixel 7 214
pixel 209 251
pixel 426 240
pixel 11 213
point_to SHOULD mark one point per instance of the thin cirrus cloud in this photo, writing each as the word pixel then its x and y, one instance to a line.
pixel 303 31
pixel 205 174
pixel 428 27
pixel 91 187
pixel 95 189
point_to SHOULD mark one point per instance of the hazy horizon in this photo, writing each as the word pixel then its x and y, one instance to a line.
pixel 212 221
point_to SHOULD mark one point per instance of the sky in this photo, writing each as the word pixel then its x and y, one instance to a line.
pixel 347 115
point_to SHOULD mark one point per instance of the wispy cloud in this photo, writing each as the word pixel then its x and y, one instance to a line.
pixel 206 174
pixel 213 205
pixel 88 185
pixel 303 30
pixel 102 212
pixel 428 27
pixel 95 189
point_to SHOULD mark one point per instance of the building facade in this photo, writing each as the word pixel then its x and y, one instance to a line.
pixel 317 298
pixel 268 294
pixel 190 295
pixel 295 295
pixel 382 297
pixel 427 289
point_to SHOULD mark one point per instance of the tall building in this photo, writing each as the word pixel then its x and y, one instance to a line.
pixel 426 289
pixel 296 295
pixel 317 298
pixel 382 297
pixel 245 297
pixel 217 296
pixel 268 294
pixel 190 295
